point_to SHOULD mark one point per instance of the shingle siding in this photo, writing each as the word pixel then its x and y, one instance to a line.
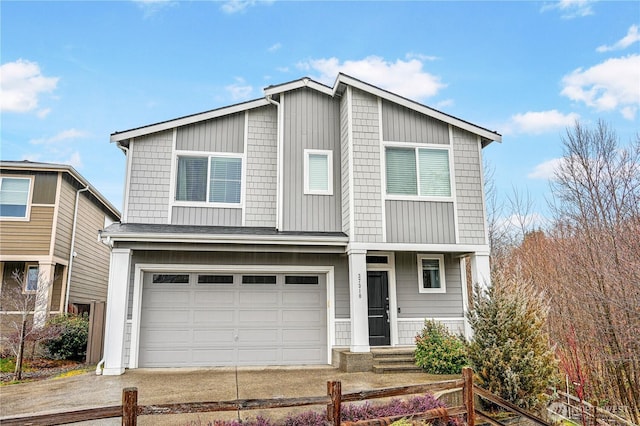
pixel 150 178
pixel 262 168
pixel 367 204
pixel 468 177
pixel 344 163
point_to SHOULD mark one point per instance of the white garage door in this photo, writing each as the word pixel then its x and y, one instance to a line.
pixel 216 319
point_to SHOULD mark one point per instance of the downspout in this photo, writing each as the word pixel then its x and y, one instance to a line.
pixel 73 245
pixel 279 154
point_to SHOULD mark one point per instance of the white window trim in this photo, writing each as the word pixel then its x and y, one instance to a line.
pixel 208 155
pixel 26 278
pixel 329 155
pixel 27 213
pixel 416 147
pixel 443 283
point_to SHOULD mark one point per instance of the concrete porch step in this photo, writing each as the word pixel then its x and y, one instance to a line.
pixel 396 368
pixel 394 360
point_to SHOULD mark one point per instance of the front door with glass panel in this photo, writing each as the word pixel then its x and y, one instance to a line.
pixel 378 294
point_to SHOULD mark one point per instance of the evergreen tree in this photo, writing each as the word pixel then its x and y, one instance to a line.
pixel 510 350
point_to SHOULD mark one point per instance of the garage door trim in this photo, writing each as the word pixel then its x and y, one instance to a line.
pixel 141 269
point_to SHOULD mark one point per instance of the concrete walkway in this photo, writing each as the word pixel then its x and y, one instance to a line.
pixel 157 386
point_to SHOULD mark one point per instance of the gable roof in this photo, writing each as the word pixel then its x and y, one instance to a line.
pixel 61 168
pixel 342 81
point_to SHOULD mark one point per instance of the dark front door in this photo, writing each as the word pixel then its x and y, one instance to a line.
pixel 378 294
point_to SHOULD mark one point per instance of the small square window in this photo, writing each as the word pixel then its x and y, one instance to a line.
pixel 431 277
pixel 31 283
pixel 318 172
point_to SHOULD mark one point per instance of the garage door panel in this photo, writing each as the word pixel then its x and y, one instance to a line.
pixel 166 317
pixel 213 355
pixel 214 297
pixel 258 316
pixel 303 335
pixel 302 299
pixel 300 355
pixel 218 337
pixel 208 324
pixel 154 337
pixel 259 356
pixel 250 297
pixel 261 335
pixel 297 316
pixel 213 317
pixel 167 298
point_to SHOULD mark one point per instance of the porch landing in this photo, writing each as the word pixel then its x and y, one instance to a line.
pixel 380 360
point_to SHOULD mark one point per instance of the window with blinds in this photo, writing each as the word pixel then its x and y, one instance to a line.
pixel 318 173
pixel 213 179
pixel 14 197
pixel 418 171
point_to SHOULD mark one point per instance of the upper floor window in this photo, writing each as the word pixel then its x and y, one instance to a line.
pixel 318 172
pixel 422 172
pixel 14 197
pixel 212 179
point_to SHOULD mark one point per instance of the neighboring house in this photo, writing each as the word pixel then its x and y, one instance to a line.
pixel 273 231
pixel 50 217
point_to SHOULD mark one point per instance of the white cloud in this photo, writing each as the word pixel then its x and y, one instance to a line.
pixel 445 103
pixel 151 7
pixel 632 37
pixel 406 78
pixel 74 160
pixel 538 122
pixel 275 47
pixel 235 6
pixel 421 57
pixel 612 84
pixel 21 84
pixel 239 90
pixel 570 9
pixel 64 136
pixel 546 170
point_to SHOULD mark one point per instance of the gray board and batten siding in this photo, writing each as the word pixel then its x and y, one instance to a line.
pixel 311 121
pixel 401 124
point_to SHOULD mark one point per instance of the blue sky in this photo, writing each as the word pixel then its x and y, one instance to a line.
pixel 74 72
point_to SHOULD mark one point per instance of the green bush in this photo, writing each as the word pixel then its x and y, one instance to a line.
pixel 510 351
pixel 71 342
pixel 438 351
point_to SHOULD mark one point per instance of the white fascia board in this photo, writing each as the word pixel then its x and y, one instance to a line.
pixel 487 134
pixel 297 84
pixel 423 248
pixel 230 239
pixel 166 125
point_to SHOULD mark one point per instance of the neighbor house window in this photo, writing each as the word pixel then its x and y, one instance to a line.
pixel 31 283
pixel 431 274
pixel 14 197
pixel 212 179
pixel 318 172
pixel 421 172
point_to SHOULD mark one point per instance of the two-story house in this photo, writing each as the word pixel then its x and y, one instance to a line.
pixel 273 231
pixel 50 217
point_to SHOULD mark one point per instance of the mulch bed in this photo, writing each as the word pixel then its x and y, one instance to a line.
pixel 42 368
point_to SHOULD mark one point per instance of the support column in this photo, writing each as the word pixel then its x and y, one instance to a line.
pixel 46 273
pixel 480 270
pixel 358 301
pixel 116 320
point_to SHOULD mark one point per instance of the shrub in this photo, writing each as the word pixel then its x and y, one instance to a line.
pixel 71 343
pixel 510 350
pixel 438 351
pixel 396 407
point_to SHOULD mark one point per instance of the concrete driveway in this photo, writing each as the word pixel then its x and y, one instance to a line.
pixel 157 386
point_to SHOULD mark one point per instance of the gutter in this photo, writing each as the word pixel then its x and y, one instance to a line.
pixel 72 253
pixel 279 163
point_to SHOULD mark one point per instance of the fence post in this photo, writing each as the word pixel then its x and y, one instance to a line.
pixel 129 406
pixel 334 390
pixel 467 395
